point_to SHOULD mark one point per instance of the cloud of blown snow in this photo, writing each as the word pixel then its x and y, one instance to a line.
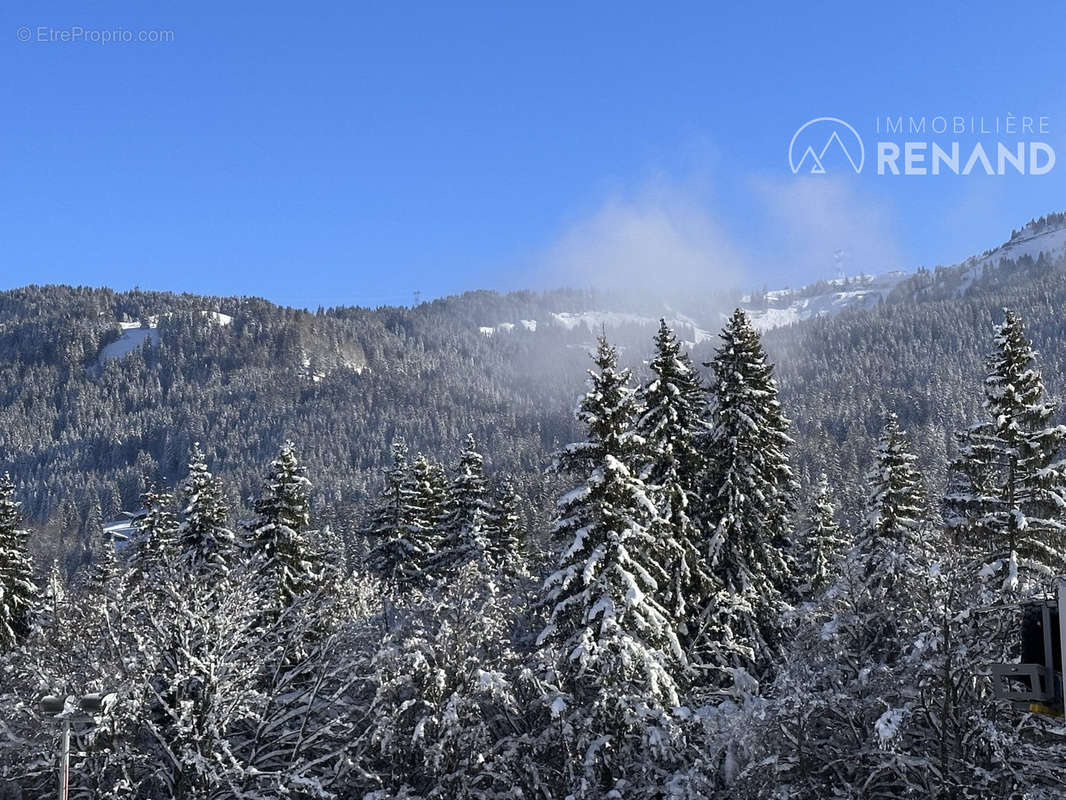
pixel 661 235
pixel 669 234
pixel 818 225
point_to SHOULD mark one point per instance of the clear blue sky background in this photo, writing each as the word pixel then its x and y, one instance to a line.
pixel 342 153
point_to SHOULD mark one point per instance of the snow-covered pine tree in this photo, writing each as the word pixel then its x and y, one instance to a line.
pixel 388 525
pixel 465 515
pixel 91 527
pixel 1007 492
pixel 611 654
pixel 434 487
pixel 505 530
pixel 18 592
pixel 889 552
pixel 672 416
pixel 278 534
pixel 103 564
pixel 206 545
pixel 824 544
pixel 53 597
pixel 747 493
pixel 155 543
pixel 331 554
pixel 405 524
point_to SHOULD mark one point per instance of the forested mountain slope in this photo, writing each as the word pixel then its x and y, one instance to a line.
pixel 241 375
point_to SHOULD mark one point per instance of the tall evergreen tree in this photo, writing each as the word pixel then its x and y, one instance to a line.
pixel 53 597
pixel 505 530
pixel 823 543
pixel 407 520
pixel 1007 493
pixel 206 545
pixel 278 535
pixel 103 564
pixel 889 549
pixel 155 542
pixel 18 592
pixel 465 515
pixel 670 420
pixel 747 489
pixel 611 651
pixel 388 527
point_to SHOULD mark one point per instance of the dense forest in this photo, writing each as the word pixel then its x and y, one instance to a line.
pixel 377 553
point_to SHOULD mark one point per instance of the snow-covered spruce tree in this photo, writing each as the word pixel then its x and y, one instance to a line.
pixel 505 530
pixel 49 615
pixel 388 522
pixel 889 550
pixel 841 707
pixel 747 493
pixel 18 592
pixel 155 543
pixel 672 416
pixel 1007 493
pixel 465 515
pixel 278 534
pixel 610 652
pixel 90 532
pixel 103 564
pixel 331 556
pixel 824 544
pixel 205 543
pixel 404 526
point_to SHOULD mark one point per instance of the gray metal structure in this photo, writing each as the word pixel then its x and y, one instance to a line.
pixel 1036 682
pixel 68 710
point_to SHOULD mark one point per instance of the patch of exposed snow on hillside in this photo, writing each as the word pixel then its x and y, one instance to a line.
pixel 506 327
pixel 132 337
pixel 770 318
pixel 594 320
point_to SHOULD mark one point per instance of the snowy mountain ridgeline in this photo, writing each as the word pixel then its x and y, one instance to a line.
pixel 380 554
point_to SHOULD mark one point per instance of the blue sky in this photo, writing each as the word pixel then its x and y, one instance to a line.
pixel 354 153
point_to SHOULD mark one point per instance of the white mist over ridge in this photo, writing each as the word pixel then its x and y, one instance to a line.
pixel 823 298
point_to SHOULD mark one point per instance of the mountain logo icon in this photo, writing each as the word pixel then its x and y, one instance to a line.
pixel 822 140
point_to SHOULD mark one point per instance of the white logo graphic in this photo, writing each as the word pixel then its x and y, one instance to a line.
pixel 822 137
